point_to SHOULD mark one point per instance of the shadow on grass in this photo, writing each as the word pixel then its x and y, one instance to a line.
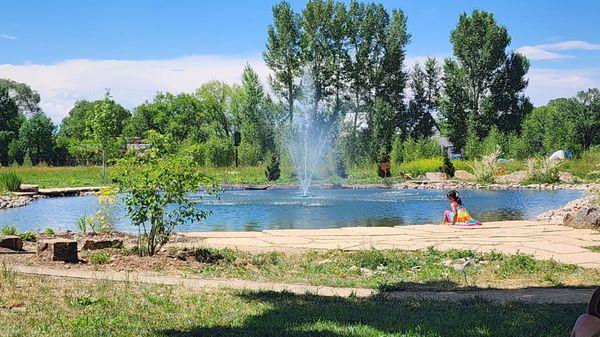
pixel 287 315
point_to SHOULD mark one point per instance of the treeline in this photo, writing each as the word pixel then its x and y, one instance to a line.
pixel 354 55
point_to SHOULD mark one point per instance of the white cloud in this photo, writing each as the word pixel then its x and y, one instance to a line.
pixel 546 51
pixel 7 37
pixel 547 84
pixel 536 53
pixel 131 82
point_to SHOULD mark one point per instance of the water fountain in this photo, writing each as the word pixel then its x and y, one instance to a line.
pixel 309 135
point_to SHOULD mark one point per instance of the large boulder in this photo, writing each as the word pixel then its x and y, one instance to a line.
pixel 102 243
pixel 583 218
pixel 12 242
pixel 436 176
pixel 58 250
pixel 463 175
pixel 512 178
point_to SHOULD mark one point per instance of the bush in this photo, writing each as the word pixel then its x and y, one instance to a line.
pixel 49 231
pixel 273 171
pixel 99 258
pixel 193 150
pixel 518 147
pixel 9 230
pixel 249 154
pixel 485 168
pixel 218 151
pixel 10 181
pixel 543 170
pixel 84 223
pixel 29 236
pixel 413 149
pixel 447 166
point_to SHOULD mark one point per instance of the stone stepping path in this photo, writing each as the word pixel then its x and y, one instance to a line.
pixel 529 295
pixel 542 240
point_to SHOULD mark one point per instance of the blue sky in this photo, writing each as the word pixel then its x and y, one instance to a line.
pixel 70 50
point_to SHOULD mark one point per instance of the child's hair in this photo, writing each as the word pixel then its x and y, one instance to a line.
pixel 594 305
pixel 453 195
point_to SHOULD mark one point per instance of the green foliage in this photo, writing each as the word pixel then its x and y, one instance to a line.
pixel 215 256
pixel 29 236
pixel 273 171
pixel 543 170
pixel 413 149
pixel 36 138
pixel 10 122
pixel 249 154
pixel 9 230
pixel 156 192
pixel 99 257
pixel 10 181
pixel 194 151
pixel 84 223
pixel 485 169
pixel 425 85
pixel 219 152
pixel 382 116
pixel 447 166
pixel 49 231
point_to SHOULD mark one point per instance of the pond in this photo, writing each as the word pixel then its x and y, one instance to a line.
pixel 242 210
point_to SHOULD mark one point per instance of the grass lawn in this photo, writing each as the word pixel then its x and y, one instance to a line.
pixel 392 269
pixel 38 306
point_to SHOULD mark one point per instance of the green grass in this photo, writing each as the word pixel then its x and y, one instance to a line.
pixel 35 306
pixel 99 257
pixel 390 269
pixel 9 230
pixel 47 177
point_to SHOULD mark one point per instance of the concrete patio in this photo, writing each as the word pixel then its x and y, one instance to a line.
pixel 542 240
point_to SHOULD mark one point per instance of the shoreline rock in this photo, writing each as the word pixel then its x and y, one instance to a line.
pixel 9 201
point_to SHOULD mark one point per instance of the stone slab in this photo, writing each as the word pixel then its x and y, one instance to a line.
pixel 58 250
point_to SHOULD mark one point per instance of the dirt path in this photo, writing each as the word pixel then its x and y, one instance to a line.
pixel 531 295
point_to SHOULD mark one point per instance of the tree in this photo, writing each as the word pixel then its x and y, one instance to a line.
pixel 106 125
pixel 587 114
pixel 383 127
pixel 283 54
pixel 156 192
pixel 425 86
pixel 486 83
pixel 36 137
pixel 10 122
pixel 27 99
pixel 215 102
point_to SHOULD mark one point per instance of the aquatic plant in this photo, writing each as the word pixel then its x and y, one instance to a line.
pixel 10 181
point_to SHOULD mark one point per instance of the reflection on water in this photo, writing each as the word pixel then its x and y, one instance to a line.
pixel 258 210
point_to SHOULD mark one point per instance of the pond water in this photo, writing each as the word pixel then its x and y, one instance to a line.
pixel 323 208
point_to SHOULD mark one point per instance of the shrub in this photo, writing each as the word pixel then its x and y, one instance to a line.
pixel 9 230
pixel 49 231
pixel 99 257
pixel 218 151
pixel 194 150
pixel 273 171
pixel 413 149
pixel 29 236
pixel 485 168
pixel 249 154
pixel 84 223
pixel 10 181
pixel 447 166
pixel 543 170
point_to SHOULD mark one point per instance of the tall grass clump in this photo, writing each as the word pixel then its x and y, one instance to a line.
pixel 9 230
pixel 485 168
pixel 10 181
pixel 543 170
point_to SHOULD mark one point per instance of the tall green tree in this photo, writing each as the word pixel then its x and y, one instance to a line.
pixel 36 136
pixel 454 105
pixel 492 81
pixel 425 85
pixel 283 54
pixel 10 122
pixel 382 118
pixel 215 102
pixel 27 99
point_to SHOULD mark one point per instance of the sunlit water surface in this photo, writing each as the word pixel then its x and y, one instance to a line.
pixel 323 208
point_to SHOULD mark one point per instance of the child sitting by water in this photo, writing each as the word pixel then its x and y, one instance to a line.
pixel 458 215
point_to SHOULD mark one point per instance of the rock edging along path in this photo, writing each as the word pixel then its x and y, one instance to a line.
pixel 530 295
pixel 542 240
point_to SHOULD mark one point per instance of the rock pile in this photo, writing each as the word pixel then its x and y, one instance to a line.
pixel 8 201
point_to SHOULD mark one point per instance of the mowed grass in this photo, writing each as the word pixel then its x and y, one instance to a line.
pixel 47 176
pixel 41 306
pixel 392 269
